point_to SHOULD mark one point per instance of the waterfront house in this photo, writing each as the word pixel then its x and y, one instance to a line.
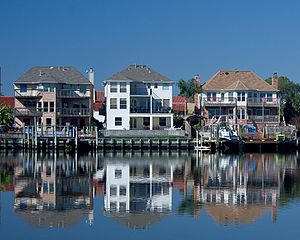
pixel 138 98
pixel 51 96
pixel 242 96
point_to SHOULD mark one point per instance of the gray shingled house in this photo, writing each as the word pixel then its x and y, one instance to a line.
pixel 53 96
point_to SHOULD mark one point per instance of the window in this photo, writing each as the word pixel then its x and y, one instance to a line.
pixel 51 106
pixel 212 97
pixel 45 187
pixel 166 86
pixel 146 121
pixel 123 103
pixel 241 113
pixel 83 88
pixel 262 97
pixel 241 97
pixel 51 87
pixel 149 85
pixel 51 187
pixel 113 87
pixel 123 87
pixel 222 97
pixel 118 121
pixel 113 190
pixel 269 97
pixel 122 206
pixel 23 88
pixel 113 103
pixel 45 106
pixel 162 121
pixel 46 86
pixel 230 96
pixel 118 173
pixel 155 85
pixel 158 104
pixel 213 112
pixel 166 102
pixel 122 190
pixel 48 121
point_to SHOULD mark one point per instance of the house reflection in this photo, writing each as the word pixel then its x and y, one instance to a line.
pixel 139 188
pixel 235 189
pixel 53 192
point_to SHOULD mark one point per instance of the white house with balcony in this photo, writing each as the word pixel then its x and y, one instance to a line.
pixel 51 96
pixel 242 97
pixel 138 98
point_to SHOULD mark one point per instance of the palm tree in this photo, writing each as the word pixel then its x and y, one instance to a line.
pixel 6 117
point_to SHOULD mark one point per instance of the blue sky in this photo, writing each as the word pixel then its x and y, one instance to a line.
pixel 178 38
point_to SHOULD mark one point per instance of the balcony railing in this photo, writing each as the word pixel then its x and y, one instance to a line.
pixel 28 93
pixel 263 101
pixel 229 101
pixel 66 93
pixel 264 119
pixel 79 112
pixel 28 112
pixel 147 110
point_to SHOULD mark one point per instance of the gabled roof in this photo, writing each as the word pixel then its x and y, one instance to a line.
pixel 139 73
pixel 68 75
pixel 237 80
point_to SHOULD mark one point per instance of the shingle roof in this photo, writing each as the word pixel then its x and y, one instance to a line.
pixel 139 73
pixel 237 80
pixel 67 75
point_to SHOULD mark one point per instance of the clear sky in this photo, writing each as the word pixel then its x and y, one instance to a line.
pixel 178 38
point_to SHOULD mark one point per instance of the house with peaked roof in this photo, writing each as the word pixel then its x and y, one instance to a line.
pixel 53 96
pixel 139 98
pixel 241 96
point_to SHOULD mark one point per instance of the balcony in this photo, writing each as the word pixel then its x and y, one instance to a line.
pixel 264 119
pixel 147 110
pixel 75 112
pixel 66 93
pixel 28 112
pixel 28 94
pixel 272 102
pixel 230 101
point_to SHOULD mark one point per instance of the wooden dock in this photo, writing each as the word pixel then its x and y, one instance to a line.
pixel 72 140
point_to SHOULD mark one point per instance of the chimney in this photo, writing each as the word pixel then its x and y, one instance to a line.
pixel 91 75
pixel 196 96
pixel 91 79
pixel 275 81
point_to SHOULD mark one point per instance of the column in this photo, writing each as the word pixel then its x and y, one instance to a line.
pixel 151 123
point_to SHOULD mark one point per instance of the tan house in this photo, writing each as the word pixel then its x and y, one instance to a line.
pixel 241 96
pixel 53 96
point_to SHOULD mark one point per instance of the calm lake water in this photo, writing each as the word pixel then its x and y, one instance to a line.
pixel 149 196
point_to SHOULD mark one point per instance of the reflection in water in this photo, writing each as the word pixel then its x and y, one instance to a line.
pixel 137 189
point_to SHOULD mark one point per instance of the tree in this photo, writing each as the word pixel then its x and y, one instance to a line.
pixel 188 88
pixel 290 98
pixel 6 117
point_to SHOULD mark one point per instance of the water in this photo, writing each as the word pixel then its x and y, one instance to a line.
pixel 149 196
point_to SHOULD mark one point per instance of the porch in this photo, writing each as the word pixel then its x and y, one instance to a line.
pixel 150 122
